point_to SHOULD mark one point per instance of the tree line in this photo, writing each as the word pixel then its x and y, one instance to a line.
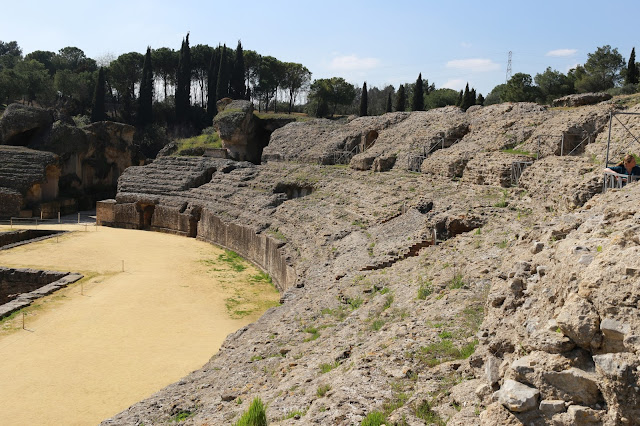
pixel 179 89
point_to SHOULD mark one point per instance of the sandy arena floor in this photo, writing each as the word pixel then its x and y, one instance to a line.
pixel 98 346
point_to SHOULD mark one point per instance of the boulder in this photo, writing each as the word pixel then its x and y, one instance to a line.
pixel 236 126
pixel 497 415
pixel 518 397
pixel 580 415
pixel 384 163
pixel 581 99
pixel 549 407
pixel 20 123
pixel 579 320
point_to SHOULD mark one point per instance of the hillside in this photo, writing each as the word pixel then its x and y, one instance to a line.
pixel 523 308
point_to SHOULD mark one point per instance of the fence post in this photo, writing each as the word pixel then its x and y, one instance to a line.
pixel 78 217
pixel 59 217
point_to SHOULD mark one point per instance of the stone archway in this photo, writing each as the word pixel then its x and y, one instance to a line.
pixel 145 215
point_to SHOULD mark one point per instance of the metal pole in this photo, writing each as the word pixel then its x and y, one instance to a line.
pixel 562 145
pixel 59 216
pixel 606 161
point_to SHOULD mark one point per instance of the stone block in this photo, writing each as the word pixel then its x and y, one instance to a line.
pixel 518 397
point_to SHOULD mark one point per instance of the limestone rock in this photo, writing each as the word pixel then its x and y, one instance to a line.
pixel 492 370
pixel 579 320
pixel 497 415
pixel 614 333
pixel 21 123
pixel 580 415
pixel 236 126
pixel 581 99
pixel 580 386
pixel 551 407
pixel 518 397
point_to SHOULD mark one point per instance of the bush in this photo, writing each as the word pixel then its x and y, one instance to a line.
pixel 425 289
pixel 256 415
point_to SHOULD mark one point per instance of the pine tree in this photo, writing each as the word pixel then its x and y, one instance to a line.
pixel 401 99
pixel 364 101
pixel 183 86
pixel 145 101
pixel 222 89
pixel 212 83
pixel 632 69
pixel 417 101
pixel 389 103
pixel 98 112
pixel 236 83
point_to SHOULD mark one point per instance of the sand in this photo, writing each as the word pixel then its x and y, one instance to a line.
pixel 98 346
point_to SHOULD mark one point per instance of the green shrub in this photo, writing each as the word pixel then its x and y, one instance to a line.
pixel 326 367
pixel 456 282
pixel 377 324
pixel 256 415
pixel 424 412
pixel 375 418
pixel 322 390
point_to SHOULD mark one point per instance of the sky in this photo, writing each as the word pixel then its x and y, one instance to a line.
pixel 380 42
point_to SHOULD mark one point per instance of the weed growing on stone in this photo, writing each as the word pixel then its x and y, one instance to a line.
pixel 256 415
pixel 457 282
pixel 294 413
pixel 326 367
pixel 423 411
pixel 322 390
pixel 181 416
pixel 444 351
pixel 425 289
pixel 340 313
pixel 388 301
pixel 355 303
pixel 377 324
pixel 503 244
pixel 375 418
pixel 275 233
pixel 314 333
pixel 261 277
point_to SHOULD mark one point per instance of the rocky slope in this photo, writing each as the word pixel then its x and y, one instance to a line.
pixel 523 309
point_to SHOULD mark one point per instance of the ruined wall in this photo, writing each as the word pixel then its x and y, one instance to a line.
pixel 13 282
pixel 263 251
pixel 10 202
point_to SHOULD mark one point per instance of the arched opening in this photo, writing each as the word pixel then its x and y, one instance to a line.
pixel 145 212
pixel 370 139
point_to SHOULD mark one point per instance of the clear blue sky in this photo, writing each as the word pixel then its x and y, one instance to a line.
pixel 381 42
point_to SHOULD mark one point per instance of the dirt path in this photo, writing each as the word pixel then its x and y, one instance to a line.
pixel 88 356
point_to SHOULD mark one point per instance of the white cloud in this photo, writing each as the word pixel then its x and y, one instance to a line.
pixel 474 65
pixel 455 84
pixel 353 63
pixel 562 52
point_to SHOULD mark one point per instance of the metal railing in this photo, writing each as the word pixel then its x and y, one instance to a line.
pixel 414 161
pixel 517 167
pixel 617 180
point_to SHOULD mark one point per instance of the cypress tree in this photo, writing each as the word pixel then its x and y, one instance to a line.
pixel 459 102
pixel 363 101
pixel 401 99
pixel 417 101
pixel 480 100
pixel 145 101
pixel 212 82
pixel 236 83
pixel 474 97
pixel 389 103
pixel 632 69
pixel 466 98
pixel 98 112
pixel 223 75
pixel 183 86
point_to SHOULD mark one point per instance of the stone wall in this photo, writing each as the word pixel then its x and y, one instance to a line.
pixel 10 202
pixel 262 250
pixel 11 239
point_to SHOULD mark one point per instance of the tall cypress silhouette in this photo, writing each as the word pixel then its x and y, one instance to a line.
pixel 183 86
pixel 466 98
pixel 363 101
pixel 388 102
pixel 212 82
pixel 98 112
pixel 236 82
pixel 632 69
pixel 401 99
pixel 223 75
pixel 417 101
pixel 145 101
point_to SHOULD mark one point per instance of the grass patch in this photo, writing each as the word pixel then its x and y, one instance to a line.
pixel 326 367
pixel 277 234
pixel 261 277
pixel 256 415
pixel 194 145
pixel 234 260
pixel 388 301
pixel 339 313
pixel 444 351
pixel 292 414
pixel 518 152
